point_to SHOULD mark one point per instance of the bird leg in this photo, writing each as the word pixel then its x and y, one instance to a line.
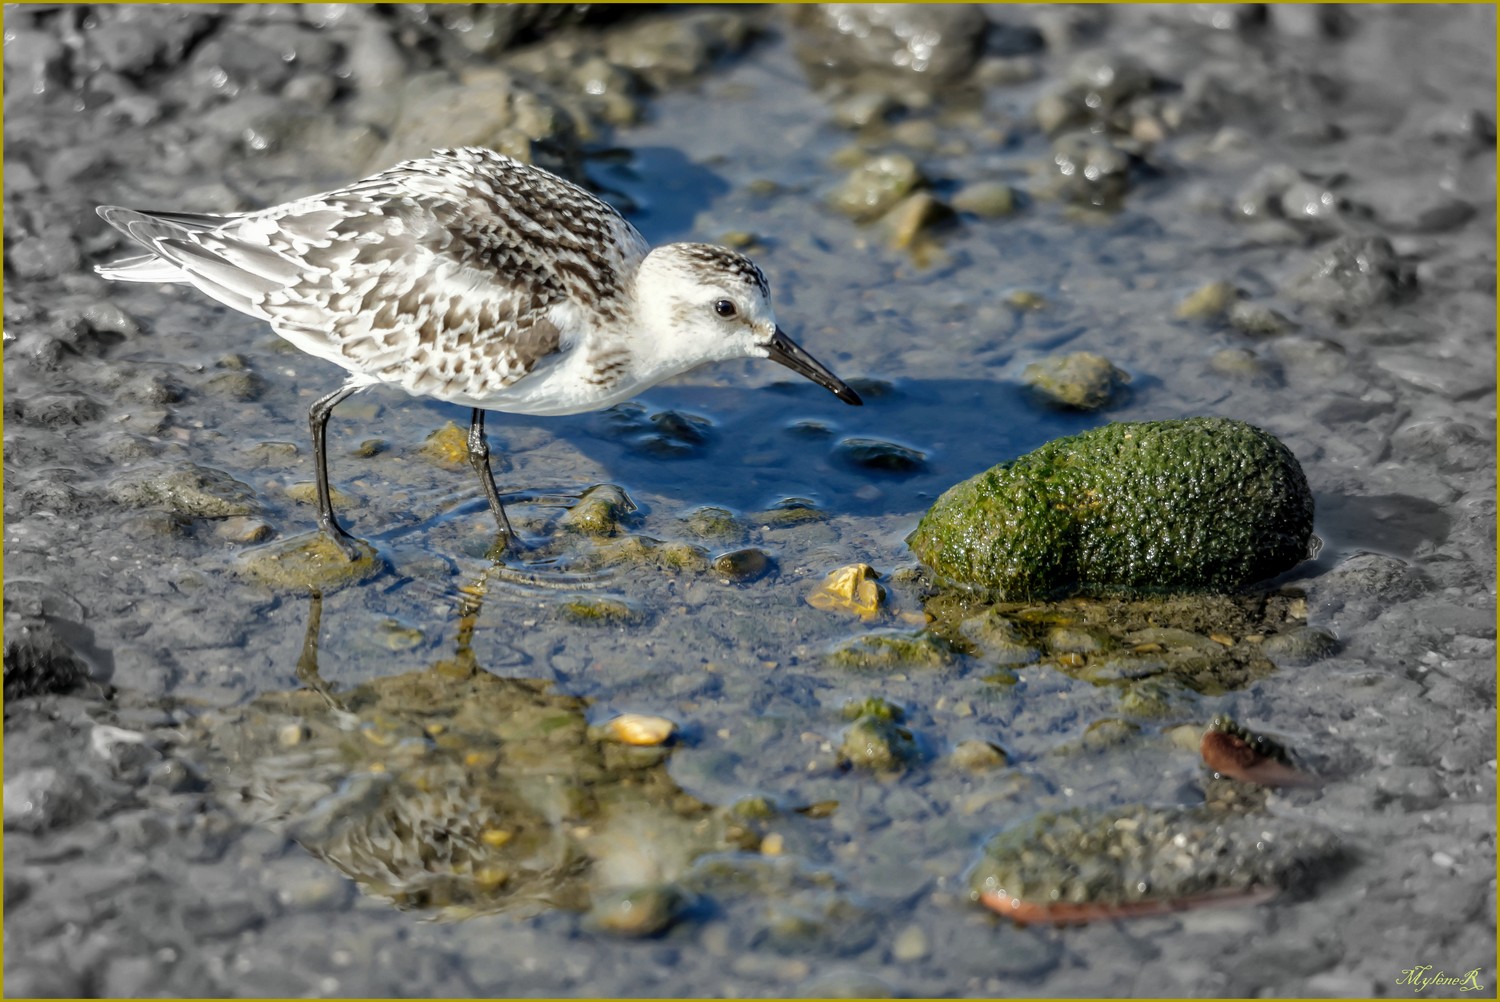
pixel 479 459
pixel 307 664
pixel 317 419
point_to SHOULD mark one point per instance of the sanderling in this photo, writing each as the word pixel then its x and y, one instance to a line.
pixel 474 279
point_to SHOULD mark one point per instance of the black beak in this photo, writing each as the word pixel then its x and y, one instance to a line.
pixel 790 354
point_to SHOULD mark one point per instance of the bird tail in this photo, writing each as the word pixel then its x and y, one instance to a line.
pixel 142 268
pixel 146 228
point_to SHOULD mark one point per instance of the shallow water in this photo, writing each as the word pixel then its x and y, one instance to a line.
pixel 871 897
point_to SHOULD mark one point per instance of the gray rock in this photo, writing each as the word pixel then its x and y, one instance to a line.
pixel 192 490
pixel 1089 169
pixel 59 410
pixel 47 798
pixel 38 661
pixel 879 455
pixel 1354 274
pixel 929 44
pixel 1300 646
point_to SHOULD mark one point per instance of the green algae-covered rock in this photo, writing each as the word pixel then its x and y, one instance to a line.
pixel 1193 505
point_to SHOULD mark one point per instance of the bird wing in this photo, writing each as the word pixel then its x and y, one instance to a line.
pixel 440 274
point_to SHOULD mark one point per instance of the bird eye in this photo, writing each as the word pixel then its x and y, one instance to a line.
pixel 725 308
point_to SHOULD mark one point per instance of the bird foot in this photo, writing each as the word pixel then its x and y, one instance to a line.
pixel 352 548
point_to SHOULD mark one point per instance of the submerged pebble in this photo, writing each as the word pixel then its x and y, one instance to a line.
pixel 891 649
pixel 877 454
pixel 1353 275
pixel 601 611
pixel 191 490
pixel 977 756
pixel 599 513
pixel 788 512
pixel 741 566
pixel 309 561
pixel 877 742
pixel 876 186
pixel 448 446
pixel 713 523
pixel 912 219
pixel 1080 380
pixel 638 912
pixel 1300 646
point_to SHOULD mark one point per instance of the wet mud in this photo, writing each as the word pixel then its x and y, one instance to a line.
pixel 236 764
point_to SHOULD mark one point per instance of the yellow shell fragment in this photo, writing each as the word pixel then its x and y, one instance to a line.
pixel 641 729
pixel 495 837
pixel 850 589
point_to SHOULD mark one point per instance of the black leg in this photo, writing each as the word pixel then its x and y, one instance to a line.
pixel 479 458
pixel 317 419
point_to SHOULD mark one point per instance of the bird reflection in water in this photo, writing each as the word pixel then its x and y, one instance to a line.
pixel 459 792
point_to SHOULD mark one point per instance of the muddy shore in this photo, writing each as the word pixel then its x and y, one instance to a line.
pixel 1283 215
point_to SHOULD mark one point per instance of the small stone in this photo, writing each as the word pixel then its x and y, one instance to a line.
pixel 885 650
pixel 194 491
pixel 912 217
pixel 1077 640
pixel 1257 319
pixel 854 588
pixel 880 455
pixel 599 512
pixel 741 240
pixel 602 612
pixel 874 706
pixel 370 448
pixel 874 743
pixel 788 512
pixel 876 186
pixel 640 911
pixel 1355 274
pixel 1060 110
pixel 272 454
pixel 712 523
pixel 243 529
pixel 910 945
pixel 741 566
pixel 1081 380
pixel 448 446
pixel 311 560
pixel 999 639
pixel 986 199
pixel 678 556
pixel 1239 362
pixel 920 134
pixel 977 756
pixel 641 730
pixel 862 108
pixel 239 385
pixel 1300 645
pixel 1208 302
pixel 306 492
